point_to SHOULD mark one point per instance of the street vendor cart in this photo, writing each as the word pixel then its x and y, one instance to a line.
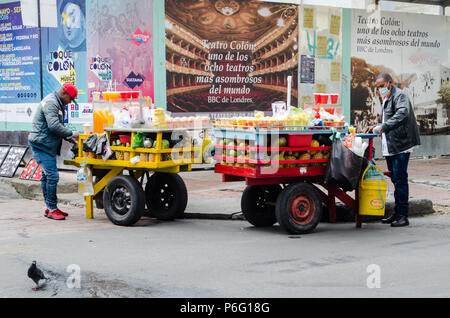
pixel 283 172
pixel 119 180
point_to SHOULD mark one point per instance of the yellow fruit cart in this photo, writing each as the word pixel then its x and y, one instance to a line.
pixel 119 181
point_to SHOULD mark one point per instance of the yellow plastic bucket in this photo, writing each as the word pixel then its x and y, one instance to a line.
pixel 372 195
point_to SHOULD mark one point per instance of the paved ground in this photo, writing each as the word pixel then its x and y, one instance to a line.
pixel 223 258
pixel 217 258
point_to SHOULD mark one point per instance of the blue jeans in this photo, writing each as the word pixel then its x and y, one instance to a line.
pixel 398 166
pixel 50 177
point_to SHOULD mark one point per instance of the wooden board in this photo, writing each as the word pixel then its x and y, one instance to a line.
pixel 12 161
pixel 37 175
pixel 29 169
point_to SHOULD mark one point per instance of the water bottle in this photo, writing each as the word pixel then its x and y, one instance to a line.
pixel 84 180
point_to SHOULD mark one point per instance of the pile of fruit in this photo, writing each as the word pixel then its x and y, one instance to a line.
pixel 295 119
pixel 242 153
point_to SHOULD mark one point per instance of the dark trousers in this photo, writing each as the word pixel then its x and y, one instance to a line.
pixel 398 167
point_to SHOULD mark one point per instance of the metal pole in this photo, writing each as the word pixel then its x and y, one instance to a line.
pixel 40 48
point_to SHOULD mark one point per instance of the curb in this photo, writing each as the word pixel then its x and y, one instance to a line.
pixel 67 196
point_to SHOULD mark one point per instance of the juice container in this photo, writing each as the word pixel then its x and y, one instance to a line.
pixel 100 118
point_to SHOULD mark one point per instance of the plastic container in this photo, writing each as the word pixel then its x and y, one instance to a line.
pixel 299 140
pixel 324 99
pixel 317 98
pixel 124 96
pixel 124 139
pixel 96 96
pixel 111 96
pixel 334 98
pixel 84 180
pixel 87 128
pixel 372 192
pixel 101 118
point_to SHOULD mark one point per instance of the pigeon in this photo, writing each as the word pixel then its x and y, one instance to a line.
pixel 35 274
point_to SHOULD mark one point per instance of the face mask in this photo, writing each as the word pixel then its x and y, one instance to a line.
pixel 384 91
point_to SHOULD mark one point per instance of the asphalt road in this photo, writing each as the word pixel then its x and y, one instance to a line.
pixel 215 258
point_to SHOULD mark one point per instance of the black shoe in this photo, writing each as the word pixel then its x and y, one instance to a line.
pixel 402 221
pixel 392 218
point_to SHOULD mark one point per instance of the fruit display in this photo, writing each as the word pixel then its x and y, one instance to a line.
pixel 243 153
pixel 295 119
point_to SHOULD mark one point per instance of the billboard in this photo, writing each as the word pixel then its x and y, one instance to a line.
pixel 413 48
pixel 19 58
pixel 120 46
pixel 230 56
pixel 64 55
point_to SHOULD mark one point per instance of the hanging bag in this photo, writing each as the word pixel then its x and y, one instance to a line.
pixel 344 167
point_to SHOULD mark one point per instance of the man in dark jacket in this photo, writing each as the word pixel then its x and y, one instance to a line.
pixel 400 135
pixel 45 139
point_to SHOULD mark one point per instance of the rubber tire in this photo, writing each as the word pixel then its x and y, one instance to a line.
pixel 257 215
pixel 283 208
pixel 153 199
pixel 98 175
pixel 137 197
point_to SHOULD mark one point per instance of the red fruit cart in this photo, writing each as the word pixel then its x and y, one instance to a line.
pixel 290 192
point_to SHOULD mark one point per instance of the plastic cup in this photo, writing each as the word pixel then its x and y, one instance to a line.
pixel 114 96
pixel 87 129
pixel 334 98
pixel 96 95
pixel 324 98
pixel 317 98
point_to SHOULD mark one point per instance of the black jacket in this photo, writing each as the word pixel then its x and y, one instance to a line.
pixel 400 125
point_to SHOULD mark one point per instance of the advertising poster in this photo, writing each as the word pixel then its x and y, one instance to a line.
pixel 64 55
pixel 413 48
pixel 19 57
pixel 120 46
pixel 230 56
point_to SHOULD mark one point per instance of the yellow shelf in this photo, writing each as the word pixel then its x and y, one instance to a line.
pixel 153 150
pixel 140 164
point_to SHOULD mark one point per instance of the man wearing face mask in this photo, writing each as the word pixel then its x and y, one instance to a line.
pixel 399 136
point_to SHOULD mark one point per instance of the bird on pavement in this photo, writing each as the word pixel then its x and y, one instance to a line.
pixel 35 274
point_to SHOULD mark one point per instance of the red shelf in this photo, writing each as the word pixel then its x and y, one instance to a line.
pixel 269 173
pixel 260 148
pixel 265 162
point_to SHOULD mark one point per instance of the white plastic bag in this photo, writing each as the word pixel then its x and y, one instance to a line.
pixel 122 118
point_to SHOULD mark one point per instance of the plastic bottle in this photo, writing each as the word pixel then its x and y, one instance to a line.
pixel 84 180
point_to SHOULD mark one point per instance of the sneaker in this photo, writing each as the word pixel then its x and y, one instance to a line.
pixel 55 215
pixel 46 213
pixel 61 212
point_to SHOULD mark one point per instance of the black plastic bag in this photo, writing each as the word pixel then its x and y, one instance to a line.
pixel 90 144
pixel 102 142
pixel 74 151
pixel 344 167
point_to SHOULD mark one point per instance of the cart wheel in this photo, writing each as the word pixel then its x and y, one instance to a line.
pixel 166 196
pixel 258 204
pixel 124 200
pixel 98 175
pixel 299 208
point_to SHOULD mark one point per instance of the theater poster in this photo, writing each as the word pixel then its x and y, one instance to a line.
pixel 64 56
pixel 229 55
pixel 120 46
pixel 19 57
pixel 414 49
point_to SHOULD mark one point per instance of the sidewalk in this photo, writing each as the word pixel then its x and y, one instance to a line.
pixel 209 197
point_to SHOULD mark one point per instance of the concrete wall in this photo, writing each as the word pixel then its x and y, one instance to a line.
pixel 430 146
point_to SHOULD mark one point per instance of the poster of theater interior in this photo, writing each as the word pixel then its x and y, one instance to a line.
pixel 229 55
